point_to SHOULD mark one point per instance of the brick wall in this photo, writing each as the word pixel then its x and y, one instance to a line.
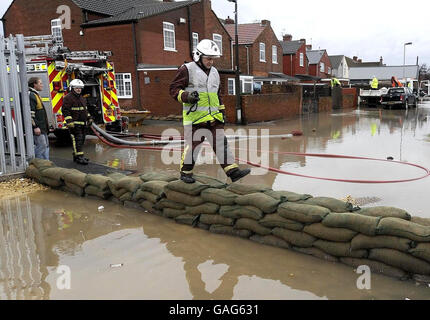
pixel 291 62
pixel 262 69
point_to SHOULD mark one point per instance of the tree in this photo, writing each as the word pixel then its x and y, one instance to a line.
pixel 424 73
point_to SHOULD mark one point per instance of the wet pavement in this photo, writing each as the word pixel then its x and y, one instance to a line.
pixel 120 253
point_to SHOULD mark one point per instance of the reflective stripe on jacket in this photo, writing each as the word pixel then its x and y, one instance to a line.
pixel 208 108
pixel 375 83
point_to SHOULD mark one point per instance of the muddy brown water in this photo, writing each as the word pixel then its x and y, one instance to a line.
pixel 120 253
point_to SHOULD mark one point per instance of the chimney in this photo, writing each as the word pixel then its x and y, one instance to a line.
pixel 287 37
pixel 355 58
pixel 229 20
pixel 308 47
pixel 303 41
pixel 381 61
pixel 265 23
pixel 360 61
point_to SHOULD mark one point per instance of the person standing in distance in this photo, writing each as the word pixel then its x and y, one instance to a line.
pixel 39 119
pixel 197 85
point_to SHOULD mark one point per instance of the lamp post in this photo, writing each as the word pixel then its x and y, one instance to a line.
pixel 404 58
pixel 237 81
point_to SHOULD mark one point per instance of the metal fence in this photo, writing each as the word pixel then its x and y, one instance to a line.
pixel 16 134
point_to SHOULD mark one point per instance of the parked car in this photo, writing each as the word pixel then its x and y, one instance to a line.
pixel 399 97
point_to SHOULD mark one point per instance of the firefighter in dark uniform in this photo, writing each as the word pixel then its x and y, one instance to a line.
pixel 77 117
pixel 196 86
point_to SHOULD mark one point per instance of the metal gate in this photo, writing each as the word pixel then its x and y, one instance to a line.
pixel 16 134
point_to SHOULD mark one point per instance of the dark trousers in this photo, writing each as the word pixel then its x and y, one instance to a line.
pixel 78 139
pixel 194 137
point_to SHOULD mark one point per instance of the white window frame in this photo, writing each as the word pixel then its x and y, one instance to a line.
pixel 217 38
pixel 274 54
pixel 121 77
pixel 302 59
pixel 322 67
pixel 249 80
pixel 167 29
pixel 262 52
pixel 233 81
pixel 195 40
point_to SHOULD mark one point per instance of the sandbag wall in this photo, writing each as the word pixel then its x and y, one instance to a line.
pixel 386 239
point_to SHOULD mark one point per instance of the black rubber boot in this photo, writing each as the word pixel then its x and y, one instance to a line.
pixel 237 174
pixel 187 178
pixel 80 160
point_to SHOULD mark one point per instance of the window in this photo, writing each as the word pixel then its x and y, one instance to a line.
pixel 274 54
pixel 123 85
pixel 262 52
pixel 329 70
pixel 302 59
pixel 218 40
pixel 231 86
pixel 169 36
pixel 247 85
pixel 322 67
pixel 195 40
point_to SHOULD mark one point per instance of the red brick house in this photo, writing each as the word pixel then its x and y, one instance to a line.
pixel 149 40
pixel 319 63
pixel 260 53
pixel 295 60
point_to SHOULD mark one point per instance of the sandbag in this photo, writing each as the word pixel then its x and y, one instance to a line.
pixel 33 173
pixel 216 219
pixel 352 221
pixel 270 241
pixel 186 219
pixel 405 229
pixel 94 191
pixel 385 212
pixel 422 251
pixel 252 225
pixel 221 229
pixel 128 196
pixel 76 177
pixel 54 183
pixel 132 205
pixel 275 220
pixel 158 176
pixel 362 241
pixel 148 196
pixel 260 200
pixel 320 231
pixel 166 203
pixel 244 189
pixel 172 213
pixel 237 212
pixel 304 213
pixel 155 187
pixel 192 189
pixel 115 176
pixel 54 173
pixel 400 260
pixel 287 195
pixel 334 205
pixel 129 183
pixel 72 188
pixel 295 238
pixel 339 249
pixel 117 192
pixel 376 266
pixel 97 180
pixel 149 206
pixel 205 208
pixel 183 198
pixel 41 164
pixel 421 221
pixel 210 181
pixel 318 253
pixel 219 196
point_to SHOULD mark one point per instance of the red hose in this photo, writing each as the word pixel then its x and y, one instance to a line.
pixel 295 154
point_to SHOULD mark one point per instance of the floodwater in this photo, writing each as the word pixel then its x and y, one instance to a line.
pixel 121 253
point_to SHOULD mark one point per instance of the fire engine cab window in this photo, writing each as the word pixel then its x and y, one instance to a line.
pixel 169 36
pixel 123 85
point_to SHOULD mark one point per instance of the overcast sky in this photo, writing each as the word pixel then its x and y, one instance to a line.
pixel 366 28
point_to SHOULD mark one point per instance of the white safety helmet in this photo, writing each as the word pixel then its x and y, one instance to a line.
pixel 76 83
pixel 206 48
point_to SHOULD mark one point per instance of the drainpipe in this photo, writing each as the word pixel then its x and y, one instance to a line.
pixel 190 33
pixel 291 63
pixel 247 58
pixel 139 101
pixel 232 55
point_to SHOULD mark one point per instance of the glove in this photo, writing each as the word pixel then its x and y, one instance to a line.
pixel 70 125
pixel 90 121
pixel 193 97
